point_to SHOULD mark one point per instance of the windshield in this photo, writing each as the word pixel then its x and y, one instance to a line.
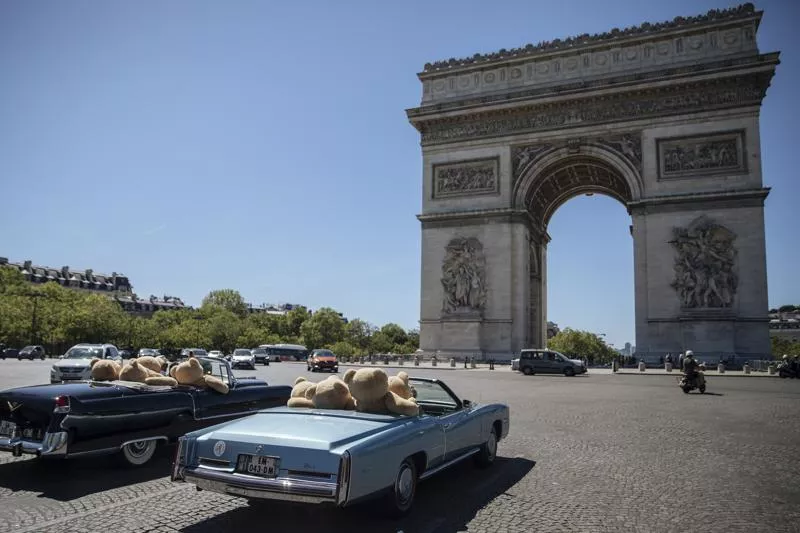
pixel 432 393
pixel 84 352
pixel 324 353
pixel 241 352
pixel 28 349
pixel 259 351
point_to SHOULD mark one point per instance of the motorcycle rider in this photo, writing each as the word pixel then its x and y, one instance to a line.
pixel 690 369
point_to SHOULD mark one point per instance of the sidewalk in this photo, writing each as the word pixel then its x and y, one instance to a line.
pixel 661 372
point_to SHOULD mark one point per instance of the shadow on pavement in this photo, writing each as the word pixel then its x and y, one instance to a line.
pixel 446 502
pixel 69 479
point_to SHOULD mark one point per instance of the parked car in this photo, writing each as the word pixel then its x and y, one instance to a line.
pixel 131 419
pixel 126 354
pixel 341 457
pixel 243 358
pixel 152 352
pixel 75 364
pixel 261 356
pixel 547 362
pixel 322 360
pixel 215 353
pixel 198 352
pixel 32 352
pixel 9 352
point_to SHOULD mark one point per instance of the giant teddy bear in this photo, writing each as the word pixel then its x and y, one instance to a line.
pixel 134 370
pixel 370 389
pixel 105 369
pixel 330 393
pixel 190 372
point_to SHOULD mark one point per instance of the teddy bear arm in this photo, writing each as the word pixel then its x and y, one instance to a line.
pixel 299 402
pixel 161 380
pixel 401 406
pixel 216 384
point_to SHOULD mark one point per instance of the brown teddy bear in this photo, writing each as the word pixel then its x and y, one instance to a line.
pixel 105 369
pixel 190 372
pixel 370 389
pixel 298 396
pixel 330 393
pixel 135 371
pixel 156 364
pixel 399 385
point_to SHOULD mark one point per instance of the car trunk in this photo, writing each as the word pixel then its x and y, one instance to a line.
pixel 304 441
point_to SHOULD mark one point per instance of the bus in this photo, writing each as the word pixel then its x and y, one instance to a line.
pixel 285 352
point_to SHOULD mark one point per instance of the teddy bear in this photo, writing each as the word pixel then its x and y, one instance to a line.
pixel 105 369
pixel 298 396
pixel 330 393
pixel 156 364
pixel 399 385
pixel 370 389
pixel 190 372
pixel 135 371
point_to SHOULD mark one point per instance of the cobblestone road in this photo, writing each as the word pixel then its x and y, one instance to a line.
pixel 590 453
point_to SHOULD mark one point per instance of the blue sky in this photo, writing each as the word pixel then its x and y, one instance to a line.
pixel 263 146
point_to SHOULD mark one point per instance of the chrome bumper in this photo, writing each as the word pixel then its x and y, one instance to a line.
pixel 285 489
pixel 53 444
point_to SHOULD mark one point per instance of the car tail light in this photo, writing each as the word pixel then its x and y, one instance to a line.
pixel 344 478
pixel 62 404
pixel 177 469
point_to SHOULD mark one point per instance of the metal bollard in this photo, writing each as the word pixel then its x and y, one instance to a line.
pixel 452 362
pixel 416 361
pixel 668 367
pixel 491 364
pixel 642 366
pixel 385 360
pixel 433 362
pixel 472 363
pixel 401 361
pixel 746 369
pixel 771 369
pixel 614 366
pixel 721 368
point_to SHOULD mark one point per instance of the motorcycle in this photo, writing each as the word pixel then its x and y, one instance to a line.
pixel 785 370
pixel 687 384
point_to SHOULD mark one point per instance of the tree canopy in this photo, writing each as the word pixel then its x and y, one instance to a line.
pixel 579 344
pixel 58 317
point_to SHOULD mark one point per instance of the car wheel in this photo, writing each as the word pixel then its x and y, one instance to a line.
pixel 569 372
pixel 527 371
pixel 404 488
pixel 139 452
pixel 488 451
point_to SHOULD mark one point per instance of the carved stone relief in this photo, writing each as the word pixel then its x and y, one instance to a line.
pixel 466 178
pixel 524 156
pixel 464 277
pixel 628 145
pixel 705 265
pixel 694 156
pixel 646 103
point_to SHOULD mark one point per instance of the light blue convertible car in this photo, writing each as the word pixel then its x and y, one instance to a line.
pixel 341 457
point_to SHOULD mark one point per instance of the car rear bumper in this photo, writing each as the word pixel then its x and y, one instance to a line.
pixel 53 444
pixel 279 488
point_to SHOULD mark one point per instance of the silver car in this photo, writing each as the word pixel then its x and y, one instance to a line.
pixel 75 365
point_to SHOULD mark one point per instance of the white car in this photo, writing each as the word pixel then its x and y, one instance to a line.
pixel 75 364
pixel 216 353
pixel 243 357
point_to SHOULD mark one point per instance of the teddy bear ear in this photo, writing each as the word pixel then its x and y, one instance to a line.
pixel 348 376
pixel 93 362
pixel 299 380
pixel 310 392
pixel 403 376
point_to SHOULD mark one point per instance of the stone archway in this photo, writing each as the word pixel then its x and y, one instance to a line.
pixel 663 117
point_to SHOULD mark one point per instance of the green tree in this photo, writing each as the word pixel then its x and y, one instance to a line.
pixel 380 343
pixel 343 349
pixel 293 322
pixel 413 339
pixel 578 344
pixel 395 333
pixel 357 333
pixel 782 345
pixel 227 299
pixel 325 327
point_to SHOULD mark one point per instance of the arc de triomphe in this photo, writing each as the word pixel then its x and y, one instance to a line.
pixel 663 117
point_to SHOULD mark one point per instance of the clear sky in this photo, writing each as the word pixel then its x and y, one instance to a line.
pixel 263 146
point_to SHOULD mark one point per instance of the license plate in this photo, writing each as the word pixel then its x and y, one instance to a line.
pixel 258 465
pixel 7 428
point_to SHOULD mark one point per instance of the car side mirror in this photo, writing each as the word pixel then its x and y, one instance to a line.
pixel 466 403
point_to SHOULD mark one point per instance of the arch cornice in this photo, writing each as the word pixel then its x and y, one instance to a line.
pixel 532 175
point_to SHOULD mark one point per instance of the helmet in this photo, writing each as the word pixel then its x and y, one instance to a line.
pixel 785 357
pixel 689 354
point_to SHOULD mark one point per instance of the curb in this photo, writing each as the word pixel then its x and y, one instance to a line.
pixel 716 375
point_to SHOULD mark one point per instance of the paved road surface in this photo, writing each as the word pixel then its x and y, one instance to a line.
pixel 590 453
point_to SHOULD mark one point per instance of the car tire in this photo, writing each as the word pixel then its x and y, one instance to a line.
pixel 138 453
pixel 401 495
pixel 527 371
pixel 485 457
pixel 569 372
